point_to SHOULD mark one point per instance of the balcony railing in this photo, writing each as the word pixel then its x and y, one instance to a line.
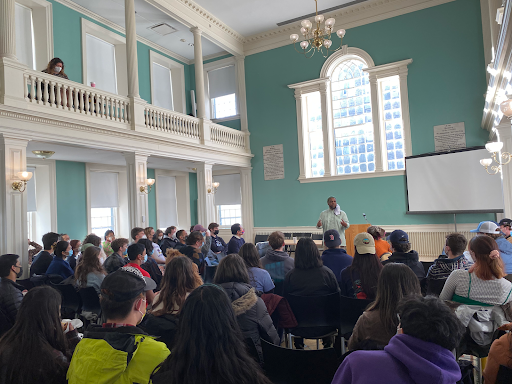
pixel 228 136
pixel 163 120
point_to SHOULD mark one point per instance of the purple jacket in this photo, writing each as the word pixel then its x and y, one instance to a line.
pixel 405 360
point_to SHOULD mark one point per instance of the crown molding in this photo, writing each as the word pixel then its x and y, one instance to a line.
pixel 349 17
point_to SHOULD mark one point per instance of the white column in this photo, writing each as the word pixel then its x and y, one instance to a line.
pixel 7 29
pixel 242 97
pixel 198 64
pixel 504 132
pixel 247 204
pixel 302 131
pixel 13 204
pixel 205 196
pixel 377 129
pixel 131 49
pixel 136 164
pixel 327 132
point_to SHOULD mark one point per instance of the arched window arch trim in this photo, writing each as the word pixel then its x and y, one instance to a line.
pixel 344 54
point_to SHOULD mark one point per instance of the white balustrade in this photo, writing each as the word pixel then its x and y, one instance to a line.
pixel 74 97
pixel 163 120
pixel 227 136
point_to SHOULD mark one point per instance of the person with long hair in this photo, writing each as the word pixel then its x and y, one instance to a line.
pixel 250 310
pixel 359 280
pixel 484 283
pixel 56 67
pixel 209 346
pixel 378 323
pixel 89 271
pixel 259 278
pixel 180 279
pixel 36 349
pixel 150 265
pixel 59 265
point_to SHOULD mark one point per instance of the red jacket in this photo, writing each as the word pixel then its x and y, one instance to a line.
pixel 280 304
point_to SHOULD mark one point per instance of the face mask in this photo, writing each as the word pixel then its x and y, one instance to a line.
pixel 203 233
pixel 57 69
pixel 151 253
pixel 144 237
pixel 216 232
pixel 145 258
pixel 143 314
pixel 125 252
pixel 160 237
pixel 70 252
pixel 20 272
pixel 202 245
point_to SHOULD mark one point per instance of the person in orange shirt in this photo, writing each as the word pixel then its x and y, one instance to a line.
pixel 382 247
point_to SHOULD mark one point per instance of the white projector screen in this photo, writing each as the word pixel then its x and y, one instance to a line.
pixel 452 183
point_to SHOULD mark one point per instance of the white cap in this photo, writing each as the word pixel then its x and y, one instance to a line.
pixel 487 227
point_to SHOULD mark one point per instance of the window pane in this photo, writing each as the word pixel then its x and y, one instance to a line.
pixel 224 106
pixel 101 64
pixel 316 139
pixel 161 86
pixel 229 214
pixel 354 149
pixel 392 122
pixel 101 220
pixel 24 35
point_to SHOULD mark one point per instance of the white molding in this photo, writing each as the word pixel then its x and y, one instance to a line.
pixel 100 19
pixel 177 80
pixel 366 175
pixel 346 53
pixel 229 118
pixel 212 56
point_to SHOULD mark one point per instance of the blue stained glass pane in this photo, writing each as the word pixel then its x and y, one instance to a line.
pixel 391 165
pixel 357 82
pixel 354 159
pixel 359 110
pixel 353 149
pixel 398 126
pixel 396 114
pixel 359 100
pixel 387 106
pixel 391 155
pixel 339 151
pixel 368 118
pixel 389 146
pixel 313 165
pixel 346 150
pixel 340 170
pixel 400 164
pixel 352 112
pixel 339 160
pixel 362 167
pixel 369 138
pixel 359 92
pixel 314 156
pixel 395 94
pixel 353 122
pixel 367 99
pixel 321 172
pixel 367 109
pixel 388 126
pixel 343 104
pixel 360 120
pixel 337 114
pixel 337 142
pixel 371 167
pixel 387 88
pixel 388 116
pixel 355 168
pixel 389 135
pixel 321 155
pixel 362 158
pixel 371 157
pixel 360 139
pixel 369 147
pixel 366 80
pixel 396 104
pixel 315 173
pixel 398 145
pixel 398 135
pixel 360 132
pixel 348 169
pixel 387 95
pixel 399 154
pixel 353 140
pixel 346 159
pixel 346 142
pixel 343 113
pixel 351 103
pixel 362 148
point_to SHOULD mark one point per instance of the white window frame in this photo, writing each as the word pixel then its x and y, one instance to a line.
pixel 218 218
pixel 218 65
pixel 177 79
pixel 42 20
pixel 182 196
pixel 322 85
pixel 119 43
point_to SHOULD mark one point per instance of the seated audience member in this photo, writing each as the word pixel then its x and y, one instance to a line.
pixel 157 254
pixel 38 348
pixel 505 225
pixel 56 67
pixel 250 310
pixel 210 258
pixel 334 257
pixel 180 279
pixel 36 248
pixel 118 351
pixel 64 237
pixel 420 352
pixel 236 242
pixel 59 265
pixel 499 354
pixel 75 246
pixel 136 234
pixel 382 247
pixel 193 249
pixel 276 261
pixel 402 253
pixel 490 229
pixel 259 278
pixel 359 280
pixel 150 265
pixel 89 272
pixel 453 259
pixel 107 244
pixel 10 292
pixel 137 256
pixel 378 323
pixel 483 283
pixel 209 347
pixel 219 246
pixel 169 240
pixel 309 278
pixel 181 236
pixel 171 254
pixel 117 259
pixel 92 239
pixel 42 261
pixel 159 236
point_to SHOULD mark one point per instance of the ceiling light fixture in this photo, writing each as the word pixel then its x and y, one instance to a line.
pixel 43 154
pixel 318 39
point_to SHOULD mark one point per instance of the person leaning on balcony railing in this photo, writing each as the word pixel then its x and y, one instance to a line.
pixel 56 67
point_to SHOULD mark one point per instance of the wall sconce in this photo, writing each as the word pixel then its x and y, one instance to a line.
pixel 20 186
pixel 214 187
pixel 147 188
pixel 494 148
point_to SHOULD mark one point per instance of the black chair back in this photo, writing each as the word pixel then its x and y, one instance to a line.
pixel 427 265
pixel 283 365
pixel 287 235
pixel 434 287
pixel 71 302
pixel 350 311
pixel 209 273
pixel 260 238
pixel 317 236
pixel 279 289
pixel 316 315
pixel 301 235
pixel 5 322
pixel 504 375
pixel 90 300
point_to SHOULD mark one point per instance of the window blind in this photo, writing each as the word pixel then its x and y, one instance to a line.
pixel 229 191
pixel 166 201
pixel 103 189
pixel 161 86
pixel 24 35
pixel 101 64
pixel 31 191
pixel 222 82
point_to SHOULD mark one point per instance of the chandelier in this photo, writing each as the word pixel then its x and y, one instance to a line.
pixel 318 39
pixel 494 148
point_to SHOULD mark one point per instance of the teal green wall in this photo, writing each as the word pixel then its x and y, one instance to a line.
pixel 152 201
pixel 71 199
pixel 446 83
pixel 235 124
pixel 192 180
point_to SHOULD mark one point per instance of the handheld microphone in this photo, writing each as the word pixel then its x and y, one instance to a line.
pixel 364 215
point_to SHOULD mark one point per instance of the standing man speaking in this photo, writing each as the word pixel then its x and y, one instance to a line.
pixel 334 218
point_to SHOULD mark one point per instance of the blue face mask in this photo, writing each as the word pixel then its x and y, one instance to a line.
pixel 151 253
pixel 70 252
pixel 125 252
pixel 145 258
pixel 202 245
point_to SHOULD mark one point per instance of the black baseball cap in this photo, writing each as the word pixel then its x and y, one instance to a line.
pixel 505 223
pixel 398 237
pixel 332 238
pixel 125 284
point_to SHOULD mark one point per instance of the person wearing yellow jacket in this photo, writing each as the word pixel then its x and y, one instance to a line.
pixel 118 351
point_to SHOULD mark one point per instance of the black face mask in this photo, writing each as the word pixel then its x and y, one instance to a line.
pixel 20 273
pixel 216 232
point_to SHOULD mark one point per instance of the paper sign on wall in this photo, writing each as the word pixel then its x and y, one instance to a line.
pixel 273 162
pixel 449 137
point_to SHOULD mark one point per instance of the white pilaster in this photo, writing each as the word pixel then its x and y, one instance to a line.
pixel 304 162
pixel 247 204
pixel 205 196
pixel 131 49
pixel 136 169
pixel 7 29
pixel 198 64
pixel 376 122
pixel 242 97
pixel 504 132
pixel 327 133
pixel 13 204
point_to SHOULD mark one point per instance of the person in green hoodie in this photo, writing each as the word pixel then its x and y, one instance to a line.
pixel 118 351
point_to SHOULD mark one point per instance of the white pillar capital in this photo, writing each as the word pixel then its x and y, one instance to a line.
pixel 136 169
pixel 7 29
pixel 196 31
